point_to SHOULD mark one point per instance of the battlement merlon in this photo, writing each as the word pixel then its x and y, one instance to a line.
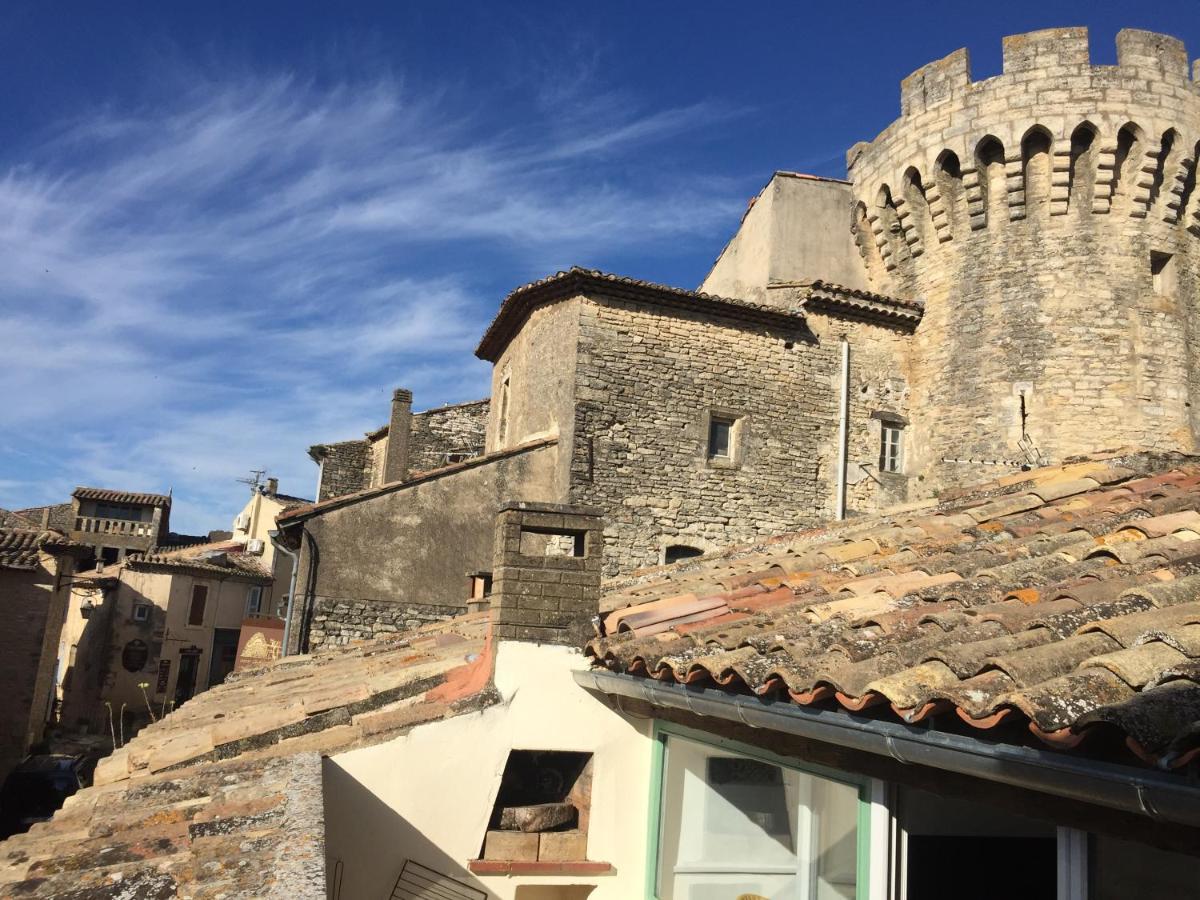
pixel 1053 53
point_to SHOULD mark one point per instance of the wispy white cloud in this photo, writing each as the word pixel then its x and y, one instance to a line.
pixel 204 285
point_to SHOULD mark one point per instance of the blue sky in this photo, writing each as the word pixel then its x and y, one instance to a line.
pixel 228 230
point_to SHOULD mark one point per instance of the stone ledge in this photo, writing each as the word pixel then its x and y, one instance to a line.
pixel 519 867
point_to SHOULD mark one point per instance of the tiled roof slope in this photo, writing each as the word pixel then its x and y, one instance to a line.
pixel 19 547
pixel 222 798
pixel 220 558
pixel 60 516
pixel 10 519
pixel 105 495
pixel 1063 602
pixel 859 304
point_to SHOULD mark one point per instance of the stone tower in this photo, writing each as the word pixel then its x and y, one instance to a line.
pixel 1049 219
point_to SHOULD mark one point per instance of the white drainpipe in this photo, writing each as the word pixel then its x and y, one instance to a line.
pixel 839 511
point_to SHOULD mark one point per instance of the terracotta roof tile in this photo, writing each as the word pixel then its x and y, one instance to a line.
pixel 1067 599
pixel 20 547
pixel 223 796
pixel 106 495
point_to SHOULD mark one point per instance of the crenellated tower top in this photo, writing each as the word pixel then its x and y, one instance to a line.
pixel 1049 217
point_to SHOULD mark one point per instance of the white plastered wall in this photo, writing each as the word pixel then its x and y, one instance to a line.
pixel 427 795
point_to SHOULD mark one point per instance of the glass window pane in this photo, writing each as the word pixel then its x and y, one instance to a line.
pixel 718 437
pixel 731 825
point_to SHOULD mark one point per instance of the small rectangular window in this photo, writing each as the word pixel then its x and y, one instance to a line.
pixel 141 612
pixel 891 447
pixel 720 438
pixel 199 601
pixel 1162 273
pixel 253 600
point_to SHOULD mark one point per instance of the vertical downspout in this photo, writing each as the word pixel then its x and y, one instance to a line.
pixel 839 511
pixel 287 618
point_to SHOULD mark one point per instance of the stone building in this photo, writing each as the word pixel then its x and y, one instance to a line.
pixel 145 635
pixel 1004 280
pixel 409 443
pixel 111 522
pixel 35 581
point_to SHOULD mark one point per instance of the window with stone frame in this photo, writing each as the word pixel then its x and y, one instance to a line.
pixel 891 446
pixel 722 431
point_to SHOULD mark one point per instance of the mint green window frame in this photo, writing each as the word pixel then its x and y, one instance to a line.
pixel 664 730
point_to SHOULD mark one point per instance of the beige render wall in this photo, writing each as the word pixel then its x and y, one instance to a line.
pixel 166 632
pixel 540 365
pixel 1036 269
pixel 427 795
pixel 403 557
pixel 796 230
pixel 647 379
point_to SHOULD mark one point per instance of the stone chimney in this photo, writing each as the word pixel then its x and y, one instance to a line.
pixel 272 487
pixel 546 573
pixel 395 466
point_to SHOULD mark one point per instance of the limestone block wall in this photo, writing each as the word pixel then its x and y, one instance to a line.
pixel 647 382
pixel 345 468
pixel 1050 220
pixel 438 433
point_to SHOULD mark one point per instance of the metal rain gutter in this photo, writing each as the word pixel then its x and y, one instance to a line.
pixel 1160 796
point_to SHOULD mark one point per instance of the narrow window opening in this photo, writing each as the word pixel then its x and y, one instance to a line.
pixel 1162 273
pixel 891 447
pixel 720 438
pixel 141 612
pixel 199 601
pixel 505 382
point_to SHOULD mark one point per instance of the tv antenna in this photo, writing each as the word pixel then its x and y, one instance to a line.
pixel 255 479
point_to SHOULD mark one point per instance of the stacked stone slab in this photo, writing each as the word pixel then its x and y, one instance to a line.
pixel 1025 210
pixel 550 597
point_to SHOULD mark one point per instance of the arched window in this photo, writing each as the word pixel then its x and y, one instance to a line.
pixel 677 552
pixel 1082 176
pixel 989 159
pixel 1035 165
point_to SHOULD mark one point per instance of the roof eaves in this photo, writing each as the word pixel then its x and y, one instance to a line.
pixel 518 304
pixel 863 305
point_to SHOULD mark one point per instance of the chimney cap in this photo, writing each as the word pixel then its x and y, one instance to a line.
pixel 402 395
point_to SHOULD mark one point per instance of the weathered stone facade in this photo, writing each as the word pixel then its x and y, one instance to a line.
pixel 1016 283
pixel 1030 212
pixel 373 563
pixel 547 589
pixel 447 435
pixel 436 438
pixel 648 383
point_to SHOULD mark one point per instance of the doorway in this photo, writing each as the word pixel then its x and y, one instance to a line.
pixel 947 844
pixel 224 654
pixel 185 684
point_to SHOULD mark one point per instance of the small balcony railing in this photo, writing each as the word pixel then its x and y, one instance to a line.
pixel 126 527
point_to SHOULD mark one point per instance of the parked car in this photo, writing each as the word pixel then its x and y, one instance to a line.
pixel 36 788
